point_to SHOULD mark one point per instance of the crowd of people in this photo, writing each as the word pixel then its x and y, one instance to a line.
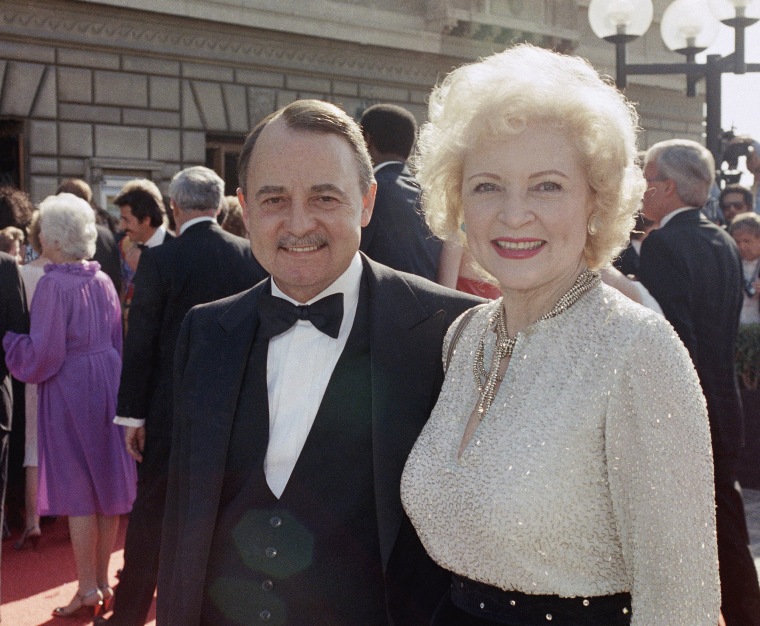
pixel 397 385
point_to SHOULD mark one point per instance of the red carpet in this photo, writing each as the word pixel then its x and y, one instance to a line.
pixel 35 582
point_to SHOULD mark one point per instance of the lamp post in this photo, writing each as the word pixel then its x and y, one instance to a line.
pixel 687 27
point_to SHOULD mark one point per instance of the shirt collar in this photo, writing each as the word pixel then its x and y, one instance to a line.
pixel 380 166
pixel 672 214
pixel 195 220
pixel 347 284
pixel 157 238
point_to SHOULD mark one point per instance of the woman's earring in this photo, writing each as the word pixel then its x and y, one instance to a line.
pixel 593 225
pixel 462 227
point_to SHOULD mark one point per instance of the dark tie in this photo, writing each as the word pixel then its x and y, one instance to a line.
pixel 277 314
pixel 142 246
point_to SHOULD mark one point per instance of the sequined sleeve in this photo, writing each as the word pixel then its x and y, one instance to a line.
pixel 659 467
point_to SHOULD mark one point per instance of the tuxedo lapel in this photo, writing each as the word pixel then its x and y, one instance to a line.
pixel 403 384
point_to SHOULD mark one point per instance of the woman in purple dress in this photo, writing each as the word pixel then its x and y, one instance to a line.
pixel 73 354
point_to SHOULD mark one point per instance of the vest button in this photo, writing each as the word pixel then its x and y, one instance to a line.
pixel 275 522
pixel 271 552
pixel 265 616
pixel 267 585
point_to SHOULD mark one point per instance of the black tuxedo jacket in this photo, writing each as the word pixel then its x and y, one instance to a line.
pixel 205 263
pixel 408 319
pixel 107 254
pixel 13 316
pixel 693 269
pixel 397 235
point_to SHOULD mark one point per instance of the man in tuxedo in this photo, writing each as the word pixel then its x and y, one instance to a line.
pixel 142 213
pixel 693 270
pixel 397 234
pixel 202 264
pixel 13 316
pixel 298 402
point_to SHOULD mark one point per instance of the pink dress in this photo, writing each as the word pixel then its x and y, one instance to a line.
pixel 73 354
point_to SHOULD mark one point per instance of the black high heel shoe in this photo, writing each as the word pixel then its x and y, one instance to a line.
pixel 31 535
pixel 88 605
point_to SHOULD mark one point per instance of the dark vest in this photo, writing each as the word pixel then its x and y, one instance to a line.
pixel 312 557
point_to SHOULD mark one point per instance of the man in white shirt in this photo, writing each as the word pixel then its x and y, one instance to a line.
pixel 202 264
pixel 297 402
pixel 142 213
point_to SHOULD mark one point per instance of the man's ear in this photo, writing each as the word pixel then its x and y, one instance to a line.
pixel 368 204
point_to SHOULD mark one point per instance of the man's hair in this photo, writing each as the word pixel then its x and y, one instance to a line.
pixel 749 198
pixel 688 164
pixel 392 128
pixel 76 186
pixel 312 116
pixel 197 189
pixel 144 199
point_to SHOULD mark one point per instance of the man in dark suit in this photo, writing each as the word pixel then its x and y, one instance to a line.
pixel 693 270
pixel 202 264
pixel 142 213
pixel 13 316
pixel 298 402
pixel 397 234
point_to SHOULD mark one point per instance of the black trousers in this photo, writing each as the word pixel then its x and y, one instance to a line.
pixel 740 593
pixel 134 593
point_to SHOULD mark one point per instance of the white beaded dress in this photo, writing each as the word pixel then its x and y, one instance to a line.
pixel 590 475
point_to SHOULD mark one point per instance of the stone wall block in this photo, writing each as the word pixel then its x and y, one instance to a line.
pixel 353 106
pixel 193 148
pixel 308 83
pixel 43 165
pixel 164 144
pixel 211 104
pixel 123 142
pixel 208 72
pixel 75 85
pixel 259 79
pixel 141 117
pixel 45 104
pixel 89 113
pixel 75 139
pixel 236 105
pixel 40 187
pixel 87 58
pixel 383 93
pixel 419 96
pixel 345 88
pixel 284 98
pixel 24 52
pixel 261 102
pixel 22 80
pixel 71 167
pixel 121 88
pixel 150 65
pixel 43 138
pixel 164 93
pixel 191 117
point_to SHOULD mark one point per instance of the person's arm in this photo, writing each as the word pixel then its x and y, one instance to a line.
pixel 449 263
pixel 615 278
pixel 659 468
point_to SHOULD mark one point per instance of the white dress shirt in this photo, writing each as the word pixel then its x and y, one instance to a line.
pixel 157 238
pixel 300 363
pixel 195 220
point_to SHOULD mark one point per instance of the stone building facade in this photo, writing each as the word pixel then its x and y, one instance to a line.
pixel 111 90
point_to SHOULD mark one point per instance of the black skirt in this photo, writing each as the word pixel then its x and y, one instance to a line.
pixel 471 603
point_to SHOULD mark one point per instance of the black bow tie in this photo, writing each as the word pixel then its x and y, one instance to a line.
pixel 277 314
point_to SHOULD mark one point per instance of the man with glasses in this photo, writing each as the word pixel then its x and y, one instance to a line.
pixel 735 199
pixel 693 269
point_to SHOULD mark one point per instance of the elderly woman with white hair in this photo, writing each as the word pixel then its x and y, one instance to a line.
pixel 565 475
pixel 73 354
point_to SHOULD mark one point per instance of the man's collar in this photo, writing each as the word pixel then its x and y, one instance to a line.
pixel 157 238
pixel 195 220
pixel 380 166
pixel 347 283
pixel 672 214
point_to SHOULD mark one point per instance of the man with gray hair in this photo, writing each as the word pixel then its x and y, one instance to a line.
pixel 203 263
pixel 693 269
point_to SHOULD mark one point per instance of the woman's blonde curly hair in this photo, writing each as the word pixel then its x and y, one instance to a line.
pixel 500 95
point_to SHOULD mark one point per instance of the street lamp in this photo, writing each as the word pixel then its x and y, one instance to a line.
pixel 687 27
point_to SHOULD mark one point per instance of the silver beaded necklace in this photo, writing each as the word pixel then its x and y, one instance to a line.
pixel 486 381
